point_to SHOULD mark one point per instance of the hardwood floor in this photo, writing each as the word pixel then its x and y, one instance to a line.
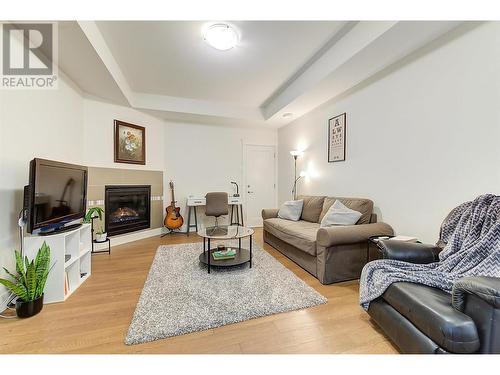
pixel 96 317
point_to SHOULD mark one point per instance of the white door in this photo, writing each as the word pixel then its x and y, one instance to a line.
pixel 260 182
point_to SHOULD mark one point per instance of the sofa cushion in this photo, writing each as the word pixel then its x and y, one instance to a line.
pixel 291 210
pixel 338 214
pixel 430 310
pixel 313 205
pixel 365 206
pixel 301 234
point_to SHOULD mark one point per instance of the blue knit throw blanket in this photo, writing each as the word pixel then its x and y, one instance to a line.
pixel 472 236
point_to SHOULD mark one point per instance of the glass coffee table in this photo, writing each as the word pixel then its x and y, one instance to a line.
pixel 233 232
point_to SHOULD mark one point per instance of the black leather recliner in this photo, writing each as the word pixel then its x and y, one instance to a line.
pixel 421 319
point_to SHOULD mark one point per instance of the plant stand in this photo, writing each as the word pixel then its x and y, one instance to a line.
pixel 94 241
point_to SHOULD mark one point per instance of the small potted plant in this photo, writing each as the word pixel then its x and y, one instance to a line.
pixel 28 283
pixel 100 235
pixel 93 213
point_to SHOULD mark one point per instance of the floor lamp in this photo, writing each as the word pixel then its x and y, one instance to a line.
pixel 295 154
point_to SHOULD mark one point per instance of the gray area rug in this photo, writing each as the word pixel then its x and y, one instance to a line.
pixel 179 296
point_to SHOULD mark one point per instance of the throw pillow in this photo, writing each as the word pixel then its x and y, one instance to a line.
pixel 338 214
pixel 291 210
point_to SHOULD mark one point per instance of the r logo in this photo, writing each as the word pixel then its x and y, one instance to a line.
pixel 31 53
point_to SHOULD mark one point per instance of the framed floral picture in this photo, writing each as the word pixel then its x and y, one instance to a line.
pixel 130 143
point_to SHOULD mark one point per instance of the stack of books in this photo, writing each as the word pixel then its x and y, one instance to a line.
pixel 224 254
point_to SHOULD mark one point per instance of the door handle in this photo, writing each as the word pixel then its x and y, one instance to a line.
pixel 250 192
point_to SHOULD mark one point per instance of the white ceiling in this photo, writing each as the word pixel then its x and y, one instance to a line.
pixel 166 69
pixel 78 58
pixel 171 58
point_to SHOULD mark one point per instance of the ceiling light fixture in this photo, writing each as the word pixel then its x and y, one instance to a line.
pixel 221 36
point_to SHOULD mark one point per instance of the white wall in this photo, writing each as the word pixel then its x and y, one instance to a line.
pixel 202 158
pixel 420 139
pixel 34 123
pixel 98 136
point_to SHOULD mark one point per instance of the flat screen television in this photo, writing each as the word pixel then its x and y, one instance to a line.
pixel 55 196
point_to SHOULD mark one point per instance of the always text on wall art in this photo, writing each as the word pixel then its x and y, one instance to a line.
pixel 336 138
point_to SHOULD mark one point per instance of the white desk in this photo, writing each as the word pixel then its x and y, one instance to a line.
pixel 196 201
pixel 201 201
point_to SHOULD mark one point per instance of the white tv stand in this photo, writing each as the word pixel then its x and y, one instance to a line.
pixel 78 244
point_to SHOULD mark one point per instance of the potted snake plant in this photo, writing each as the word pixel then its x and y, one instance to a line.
pixel 28 283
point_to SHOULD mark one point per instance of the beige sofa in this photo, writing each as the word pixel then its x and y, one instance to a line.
pixel 331 254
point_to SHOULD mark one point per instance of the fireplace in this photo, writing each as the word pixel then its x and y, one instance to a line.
pixel 127 208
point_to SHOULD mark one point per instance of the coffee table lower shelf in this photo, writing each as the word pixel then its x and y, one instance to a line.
pixel 242 256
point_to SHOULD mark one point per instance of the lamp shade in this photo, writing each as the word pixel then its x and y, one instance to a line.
pixel 296 153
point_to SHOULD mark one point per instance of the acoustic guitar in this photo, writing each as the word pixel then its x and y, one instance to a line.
pixel 173 219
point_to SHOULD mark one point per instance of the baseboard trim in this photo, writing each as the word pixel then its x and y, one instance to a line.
pixel 129 237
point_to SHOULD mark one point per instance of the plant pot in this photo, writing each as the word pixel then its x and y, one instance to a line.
pixel 101 237
pixel 29 309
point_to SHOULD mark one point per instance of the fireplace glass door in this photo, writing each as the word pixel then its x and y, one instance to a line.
pixel 127 209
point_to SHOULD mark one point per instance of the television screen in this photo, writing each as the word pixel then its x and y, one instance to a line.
pixel 58 193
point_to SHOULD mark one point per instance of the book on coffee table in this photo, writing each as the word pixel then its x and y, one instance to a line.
pixel 224 254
